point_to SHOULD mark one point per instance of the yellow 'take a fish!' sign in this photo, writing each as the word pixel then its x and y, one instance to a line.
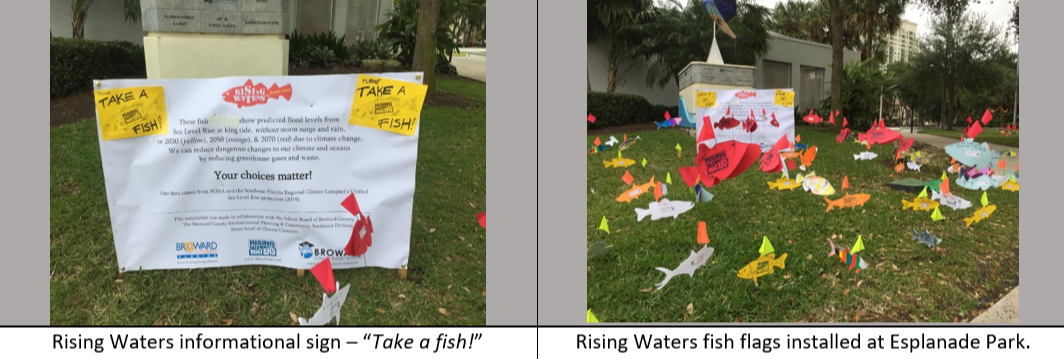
pixel 386 104
pixel 784 98
pixel 131 112
pixel 706 99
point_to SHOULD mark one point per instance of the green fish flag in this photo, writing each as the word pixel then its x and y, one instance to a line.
pixel 859 246
pixel 591 317
pixel 923 194
pixel 604 226
pixel 984 201
pixel 644 162
pixel 766 247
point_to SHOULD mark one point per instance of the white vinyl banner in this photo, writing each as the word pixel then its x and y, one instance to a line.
pixel 254 170
pixel 758 117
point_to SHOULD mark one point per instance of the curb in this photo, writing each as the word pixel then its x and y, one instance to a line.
pixel 1006 310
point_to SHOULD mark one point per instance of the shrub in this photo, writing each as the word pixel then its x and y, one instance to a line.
pixel 74 63
pixel 618 109
pixel 378 49
pixel 401 27
pixel 310 50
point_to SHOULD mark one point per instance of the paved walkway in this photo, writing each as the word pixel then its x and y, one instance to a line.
pixel 472 63
pixel 1006 310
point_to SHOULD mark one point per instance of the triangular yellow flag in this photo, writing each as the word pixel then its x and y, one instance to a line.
pixel 944 177
pixel 766 247
pixel 912 158
pixel 859 246
pixel 668 178
pixel 644 162
pixel 678 147
pixel 923 194
pixel 984 201
pixel 619 154
pixel 591 317
pixel 937 216
pixel 604 226
pixel 918 155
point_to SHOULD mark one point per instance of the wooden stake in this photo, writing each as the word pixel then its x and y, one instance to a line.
pixel 402 272
pixel 299 273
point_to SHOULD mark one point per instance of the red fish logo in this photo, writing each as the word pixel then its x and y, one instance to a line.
pixel 250 94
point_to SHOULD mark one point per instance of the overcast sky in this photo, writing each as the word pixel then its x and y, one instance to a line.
pixel 998 12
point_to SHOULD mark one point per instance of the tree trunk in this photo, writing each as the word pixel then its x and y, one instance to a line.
pixel 77 18
pixel 588 82
pixel 836 55
pixel 611 78
pixel 868 47
pixel 425 45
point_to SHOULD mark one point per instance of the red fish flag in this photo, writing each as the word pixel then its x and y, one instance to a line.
pixel 597 141
pixel 905 145
pixel 728 111
pixel 987 117
pixel 627 178
pixel 969 119
pixel 973 131
pixel 845 122
pixel 771 161
pixel 361 233
pixel 482 217
pixel 725 160
pixel 324 273
pixel 832 119
pixel 590 118
pixel 707 130
pixel 667 117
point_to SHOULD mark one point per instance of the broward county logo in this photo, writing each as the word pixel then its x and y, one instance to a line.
pixel 250 94
pixel 307 251
pixel 262 248
pixel 192 250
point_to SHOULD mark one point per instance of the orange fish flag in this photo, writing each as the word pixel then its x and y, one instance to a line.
pixel 597 142
pixel 797 138
pixel 625 138
pixel 658 192
pixel 900 167
pixel 807 156
pixel 707 131
pixel 944 186
pixel 590 118
pixel 703 238
pixel 627 178
pixel 1001 164
pixel 845 182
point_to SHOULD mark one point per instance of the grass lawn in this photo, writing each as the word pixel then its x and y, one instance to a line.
pixel 905 282
pixel 989 136
pixel 446 282
pixel 471 89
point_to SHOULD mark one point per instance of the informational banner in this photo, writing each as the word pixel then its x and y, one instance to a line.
pixel 259 171
pixel 758 117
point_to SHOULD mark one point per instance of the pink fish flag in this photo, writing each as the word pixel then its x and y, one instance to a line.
pixel 590 118
pixel 324 273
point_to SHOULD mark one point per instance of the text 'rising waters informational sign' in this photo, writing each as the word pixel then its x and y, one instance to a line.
pixel 260 171
pixel 757 117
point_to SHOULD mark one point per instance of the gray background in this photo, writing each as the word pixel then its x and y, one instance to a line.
pixel 561 186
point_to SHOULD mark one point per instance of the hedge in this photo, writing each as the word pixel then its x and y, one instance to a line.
pixel 76 62
pixel 623 109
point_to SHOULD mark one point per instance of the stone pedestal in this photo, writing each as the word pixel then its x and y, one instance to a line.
pixel 217 38
pixel 711 76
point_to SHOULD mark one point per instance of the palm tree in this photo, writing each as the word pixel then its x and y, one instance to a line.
pixel 791 19
pixel 608 22
pixel 875 17
pixel 79 12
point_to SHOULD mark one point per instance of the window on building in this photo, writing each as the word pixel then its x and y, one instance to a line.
pixel 776 75
pixel 812 87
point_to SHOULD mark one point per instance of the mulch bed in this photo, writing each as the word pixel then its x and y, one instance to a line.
pixel 79 107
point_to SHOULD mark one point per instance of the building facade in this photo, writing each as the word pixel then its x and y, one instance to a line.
pixel 355 19
pixel 903 43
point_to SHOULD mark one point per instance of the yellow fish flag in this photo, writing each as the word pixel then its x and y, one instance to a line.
pixel 923 194
pixel 984 201
pixel 766 247
pixel 644 160
pixel 619 154
pixel 678 151
pixel 668 178
pixel 604 226
pixel 937 215
pixel 387 104
pixel 591 317
pixel 859 246
pixel 944 177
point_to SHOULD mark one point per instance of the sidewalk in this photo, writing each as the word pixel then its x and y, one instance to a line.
pixel 1006 310
pixel 472 63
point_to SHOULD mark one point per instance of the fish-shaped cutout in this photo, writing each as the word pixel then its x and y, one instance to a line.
pixel 977 183
pixel 725 160
pixel 688 267
pixel 635 191
pixel 612 141
pixel 774 123
pixel 598 249
pixel 790 155
pixel 972 154
pixel 808 156
pixel 905 145
pixel 727 123
pixel 980 215
pixel 913 166
pixel 900 167
pixel 749 125
pixel 852 260
pixel 784 183
pixel 919 204
pixel 865 156
pixel 843 134
pixel 771 160
pixel 817 185
pixel 879 135
pixel 812 118
pixel 1008 153
pixel 950 200
pixel 1011 186
pixel 668 123
pixel 926 238
pixel 850 200
pixel 629 143
pixel 662 209
pixel 801 146
pixel 764 265
pixel 619 162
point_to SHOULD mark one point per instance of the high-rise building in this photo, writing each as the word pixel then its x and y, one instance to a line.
pixel 903 43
